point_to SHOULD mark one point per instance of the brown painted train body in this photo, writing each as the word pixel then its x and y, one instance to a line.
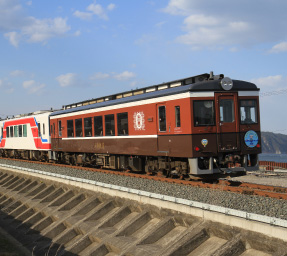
pixel 199 125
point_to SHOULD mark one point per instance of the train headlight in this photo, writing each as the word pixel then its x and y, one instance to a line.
pixel 226 83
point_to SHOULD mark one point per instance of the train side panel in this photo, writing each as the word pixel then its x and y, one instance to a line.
pixel 26 133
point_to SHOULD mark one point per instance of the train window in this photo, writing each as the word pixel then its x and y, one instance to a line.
pixel 123 127
pixel 43 129
pixel 60 128
pixel 70 128
pixel 20 129
pixel 25 130
pixel 110 125
pixel 203 112
pixel 98 125
pixel 11 132
pixel 248 111
pixel 79 127
pixel 177 116
pixel 7 132
pixel 88 126
pixel 39 130
pixel 16 131
pixel 162 118
pixel 226 107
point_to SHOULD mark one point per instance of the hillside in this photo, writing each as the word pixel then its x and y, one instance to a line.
pixel 275 143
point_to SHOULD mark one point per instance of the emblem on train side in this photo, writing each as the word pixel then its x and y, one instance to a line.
pixel 251 139
pixel 204 142
pixel 139 122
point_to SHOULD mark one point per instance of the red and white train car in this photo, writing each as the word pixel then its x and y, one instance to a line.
pixel 26 136
pixel 199 125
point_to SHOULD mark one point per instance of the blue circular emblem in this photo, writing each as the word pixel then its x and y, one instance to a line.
pixel 204 142
pixel 251 139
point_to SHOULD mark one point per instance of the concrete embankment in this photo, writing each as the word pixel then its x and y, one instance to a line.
pixel 63 217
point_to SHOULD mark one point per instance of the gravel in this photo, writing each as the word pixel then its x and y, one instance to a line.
pixel 248 203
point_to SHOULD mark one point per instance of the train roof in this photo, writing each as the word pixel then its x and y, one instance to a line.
pixel 201 83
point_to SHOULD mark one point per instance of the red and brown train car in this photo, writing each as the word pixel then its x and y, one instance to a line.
pixel 198 125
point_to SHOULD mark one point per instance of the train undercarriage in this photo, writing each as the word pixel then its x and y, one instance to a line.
pixel 167 166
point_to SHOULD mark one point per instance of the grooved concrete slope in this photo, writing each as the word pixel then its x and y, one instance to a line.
pixel 50 218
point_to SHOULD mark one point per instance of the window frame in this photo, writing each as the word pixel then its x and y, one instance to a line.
pixel 177 116
pixel 160 121
pixel 25 130
pixel 79 127
pixel 123 129
pixel 256 112
pixel 15 131
pixel 11 131
pixel 97 128
pixel 213 123
pixel 88 129
pixel 110 122
pixel 60 128
pixel 70 128
pixel 20 131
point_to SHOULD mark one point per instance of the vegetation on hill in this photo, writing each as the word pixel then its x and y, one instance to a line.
pixel 274 143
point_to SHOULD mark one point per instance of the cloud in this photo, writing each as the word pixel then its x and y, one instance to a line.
pixel 13 38
pixel 270 82
pixel 18 26
pixel 111 7
pixel 99 76
pixel 217 24
pixel 66 80
pixel 98 10
pixel 17 73
pixel 83 15
pixel 32 86
pixel 281 47
pixel 94 9
pixel 42 30
pixel 126 75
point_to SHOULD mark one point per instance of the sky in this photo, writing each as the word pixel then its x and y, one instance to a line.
pixel 55 52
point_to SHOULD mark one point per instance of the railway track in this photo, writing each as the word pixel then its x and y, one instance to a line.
pixel 246 188
pixel 54 216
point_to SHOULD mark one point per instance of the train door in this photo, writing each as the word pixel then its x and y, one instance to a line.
pixel 162 143
pixel 227 123
pixel 58 133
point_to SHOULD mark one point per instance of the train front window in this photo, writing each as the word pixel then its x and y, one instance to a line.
pixel 203 112
pixel 248 111
pixel 226 110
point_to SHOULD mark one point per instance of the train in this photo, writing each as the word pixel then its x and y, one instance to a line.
pixel 200 125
